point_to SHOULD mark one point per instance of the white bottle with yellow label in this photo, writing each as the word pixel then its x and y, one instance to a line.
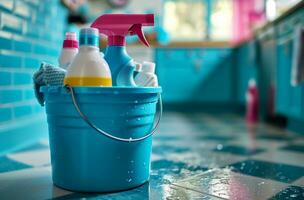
pixel 88 67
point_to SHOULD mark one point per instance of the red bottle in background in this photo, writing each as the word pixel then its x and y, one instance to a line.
pixel 252 103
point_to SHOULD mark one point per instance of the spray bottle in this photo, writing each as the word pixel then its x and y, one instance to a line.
pixel 252 103
pixel 117 27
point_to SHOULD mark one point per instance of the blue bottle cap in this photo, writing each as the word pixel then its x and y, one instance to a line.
pixel 89 36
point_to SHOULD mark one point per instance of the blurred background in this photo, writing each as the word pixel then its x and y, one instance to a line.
pixel 233 112
pixel 206 51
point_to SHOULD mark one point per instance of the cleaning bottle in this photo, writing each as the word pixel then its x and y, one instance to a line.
pixel 88 68
pixel 146 77
pixel 69 50
pixel 252 103
pixel 117 27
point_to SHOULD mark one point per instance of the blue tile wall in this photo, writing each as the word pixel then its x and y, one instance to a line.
pixel 7 4
pixel 10 96
pixel 10 61
pixel 195 75
pixel 31 31
pixel 21 45
pixel 6 43
pixel 246 70
pixel 289 98
pixel 5 114
pixel 5 78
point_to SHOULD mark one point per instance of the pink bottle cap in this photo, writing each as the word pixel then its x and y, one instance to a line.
pixel 70 40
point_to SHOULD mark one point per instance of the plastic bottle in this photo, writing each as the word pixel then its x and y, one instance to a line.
pixel 117 27
pixel 137 69
pixel 252 103
pixel 69 50
pixel 88 68
pixel 147 77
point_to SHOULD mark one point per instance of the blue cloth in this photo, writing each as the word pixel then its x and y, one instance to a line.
pixel 47 75
pixel 297 73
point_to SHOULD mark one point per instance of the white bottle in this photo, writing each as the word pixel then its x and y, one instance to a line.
pixel 88 67
pixel 137 69
pixel 147 77
pixel 69 50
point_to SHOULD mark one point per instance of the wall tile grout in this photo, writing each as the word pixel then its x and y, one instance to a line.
pixel 20 103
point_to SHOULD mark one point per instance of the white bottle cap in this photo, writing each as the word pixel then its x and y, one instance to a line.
pixel 138 67
pixel 148 67
pixel 252 83
pixel 70 36
pixel 89 31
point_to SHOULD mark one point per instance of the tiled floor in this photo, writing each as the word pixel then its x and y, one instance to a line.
pixel 195 156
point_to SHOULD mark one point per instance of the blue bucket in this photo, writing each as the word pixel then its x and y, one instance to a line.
pixel 100 137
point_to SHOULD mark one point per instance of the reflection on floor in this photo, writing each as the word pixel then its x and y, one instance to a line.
pixel 195 156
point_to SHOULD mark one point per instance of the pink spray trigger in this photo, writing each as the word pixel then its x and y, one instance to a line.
pixel 117 26
pixel 136 29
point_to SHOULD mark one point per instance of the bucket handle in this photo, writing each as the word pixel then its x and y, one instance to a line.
pixel 84 117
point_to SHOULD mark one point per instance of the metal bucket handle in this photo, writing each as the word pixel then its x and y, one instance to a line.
pixel 84 117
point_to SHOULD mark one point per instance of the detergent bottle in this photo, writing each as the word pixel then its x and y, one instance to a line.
pixel 69 50
pixel 116 27
pixel 146 77
pixel 88 67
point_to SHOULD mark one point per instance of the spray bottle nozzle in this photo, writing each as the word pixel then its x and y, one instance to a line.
pixel 117 26
pixel 136 29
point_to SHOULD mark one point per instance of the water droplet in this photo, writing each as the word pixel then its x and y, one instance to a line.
pixel 219 147
pixel 129 180
pixel 243 166
pixel 130 139
pixel 138 119
pixel 293 195
pixel 132 161
pixel 135 101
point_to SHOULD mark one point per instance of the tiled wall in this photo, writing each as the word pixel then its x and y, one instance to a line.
pixel 31 31
pixel 190 76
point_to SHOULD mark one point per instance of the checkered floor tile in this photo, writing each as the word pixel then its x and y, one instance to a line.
pixel 195 156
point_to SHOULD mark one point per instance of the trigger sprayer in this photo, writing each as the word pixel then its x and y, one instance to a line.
pixel 117 27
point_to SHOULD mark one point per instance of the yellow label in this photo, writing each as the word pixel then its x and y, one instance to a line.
pixel 87 81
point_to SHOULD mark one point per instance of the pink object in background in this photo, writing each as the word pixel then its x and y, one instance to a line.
pixel 252 103
pixel 247 15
